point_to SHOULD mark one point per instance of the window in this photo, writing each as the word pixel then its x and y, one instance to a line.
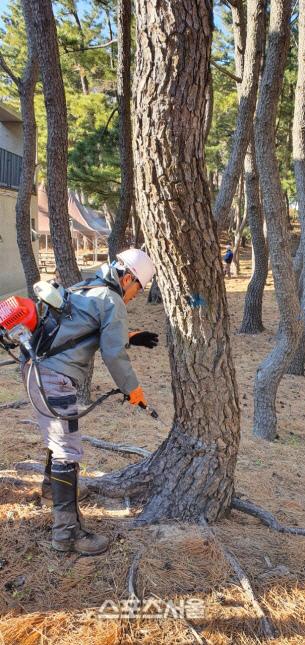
pixel 10 169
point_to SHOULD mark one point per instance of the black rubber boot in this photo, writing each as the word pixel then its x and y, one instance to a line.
pixel 46 490
pixel 68 532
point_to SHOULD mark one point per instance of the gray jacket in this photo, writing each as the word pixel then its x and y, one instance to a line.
pixel 103 310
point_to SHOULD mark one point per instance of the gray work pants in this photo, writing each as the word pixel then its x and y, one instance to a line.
pixel 62 437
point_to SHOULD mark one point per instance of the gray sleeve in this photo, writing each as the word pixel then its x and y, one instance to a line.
pixel 113 341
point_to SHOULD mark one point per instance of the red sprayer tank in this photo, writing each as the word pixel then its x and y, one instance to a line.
pixel 18 311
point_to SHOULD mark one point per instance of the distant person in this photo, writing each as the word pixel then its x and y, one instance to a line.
pixel 227 260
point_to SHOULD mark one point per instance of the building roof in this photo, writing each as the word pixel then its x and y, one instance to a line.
pixel 8 115
pixel 82 217
pixel 87 216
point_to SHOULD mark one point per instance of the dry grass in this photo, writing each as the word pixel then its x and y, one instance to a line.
pixel 57 599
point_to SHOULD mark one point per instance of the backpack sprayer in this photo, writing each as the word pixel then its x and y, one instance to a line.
pixel 19 321
pixel 20 324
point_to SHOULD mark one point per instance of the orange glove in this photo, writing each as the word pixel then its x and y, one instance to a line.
pixel 136 397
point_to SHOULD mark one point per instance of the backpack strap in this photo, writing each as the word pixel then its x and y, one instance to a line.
pixel 70 344
pixel 86 286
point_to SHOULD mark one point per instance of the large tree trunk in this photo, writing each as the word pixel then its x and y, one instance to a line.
pixel 117 235
pixel 252 322
pixel 247 103
pixel 26 88
pixel 273 367
pixel 297 365
pixel 193 470
pixel 239 226
pixel 57 145
pixel 82 73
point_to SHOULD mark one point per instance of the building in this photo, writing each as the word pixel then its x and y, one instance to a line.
pixel 89 230
pixel 12 279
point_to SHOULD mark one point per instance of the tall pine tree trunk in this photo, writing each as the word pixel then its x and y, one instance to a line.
pixel 239 225
pixel 192 472
pixel 252 322
pixel 247 102
pixel 26 89
pixel 297 365
pixel 44 29
pixel 270 372
pixel 117 235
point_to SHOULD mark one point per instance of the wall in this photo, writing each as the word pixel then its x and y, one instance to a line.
pixel 11 137
pixel 12 278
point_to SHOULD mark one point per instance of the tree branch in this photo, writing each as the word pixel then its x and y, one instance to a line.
pixel 9 72
pixel 106 128
pixel 226 72
pixel 82 49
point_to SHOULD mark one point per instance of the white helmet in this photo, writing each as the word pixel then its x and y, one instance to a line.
pixel 139 264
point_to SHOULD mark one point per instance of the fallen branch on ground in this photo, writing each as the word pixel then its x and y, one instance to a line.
pixel 28 422
pixel 266 626
pixel 116 447
pixel 13 404
pixel 8 362
pixel 245 506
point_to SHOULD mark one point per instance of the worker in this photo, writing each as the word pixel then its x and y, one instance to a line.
pixel 227 260
pixel 97 318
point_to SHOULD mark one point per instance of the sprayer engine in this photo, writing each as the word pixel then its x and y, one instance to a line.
pixel 18 319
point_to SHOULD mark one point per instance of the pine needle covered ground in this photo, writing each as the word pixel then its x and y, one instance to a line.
pixel 49 598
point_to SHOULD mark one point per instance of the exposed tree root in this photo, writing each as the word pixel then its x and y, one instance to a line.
pixel 133 594
pixel 245 506
pixel 129 482
pixel 266 626
pixel 13 404
pixel 116 447
pixel 14 481
pixel 137 479
pixel 133 573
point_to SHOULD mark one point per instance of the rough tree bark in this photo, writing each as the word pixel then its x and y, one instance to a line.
pixel 273 367
pixel 192 472
pixel 247 103
pixel 117 235
pixel 239 225
pixel 297 364
pixel 44 30
pixel 26 88
pixel 252 322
